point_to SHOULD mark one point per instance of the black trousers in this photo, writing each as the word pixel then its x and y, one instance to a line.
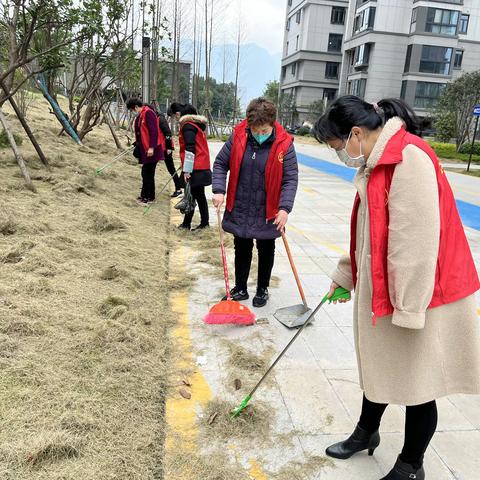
pixel 420 425
pixel 179 184
pixel 198 193
pixel 148 177
pixel 243 261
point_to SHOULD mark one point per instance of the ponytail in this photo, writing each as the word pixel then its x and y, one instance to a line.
pixel 183 108
pixel 349 111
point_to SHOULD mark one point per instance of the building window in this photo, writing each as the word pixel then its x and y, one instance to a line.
pixel 286 48
pixel 298 39
pixel 357 87
pixel 330 94
pixel 408 58
pixel 364 20
pixel 426 94
pixel 338 16
pixel 403 92
pixel 294 68
pixel 458 59
pixel 464 21
pixel 298 18
pixel 288 24
pixel 436 60
pixel 413 25
pixel 335 42
pixel 284 72
pixel 290 3
pixel 362 55
pixel 331 70
pixel 442 21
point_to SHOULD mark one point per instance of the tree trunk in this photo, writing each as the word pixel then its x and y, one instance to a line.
pixel 25 126
pixel 16 151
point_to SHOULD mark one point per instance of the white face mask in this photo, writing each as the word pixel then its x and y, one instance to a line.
pixel 354 162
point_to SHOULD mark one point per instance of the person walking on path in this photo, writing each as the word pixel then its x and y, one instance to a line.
pixel 148 145
pixel 168 153
pixel 263 181
pixel 416 329
pixel 194 149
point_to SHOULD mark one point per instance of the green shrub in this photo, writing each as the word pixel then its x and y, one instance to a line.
pixel 467 148
pixel 448 151
pixel 4 143
pixel 304 131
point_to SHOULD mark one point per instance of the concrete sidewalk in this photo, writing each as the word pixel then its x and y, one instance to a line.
pixel 315 393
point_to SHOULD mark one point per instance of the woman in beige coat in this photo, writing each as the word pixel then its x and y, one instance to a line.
pixel 417 334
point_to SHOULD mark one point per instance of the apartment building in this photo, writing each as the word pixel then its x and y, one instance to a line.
pixel 397 48
pixel 312 51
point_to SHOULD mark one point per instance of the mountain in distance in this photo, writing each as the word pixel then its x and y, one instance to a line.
pixel 257 67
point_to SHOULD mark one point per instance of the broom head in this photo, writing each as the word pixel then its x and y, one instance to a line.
pixel 229 312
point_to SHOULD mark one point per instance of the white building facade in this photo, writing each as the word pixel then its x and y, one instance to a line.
pixel 390 48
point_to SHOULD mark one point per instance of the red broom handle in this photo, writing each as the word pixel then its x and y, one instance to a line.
pixel 294 269
pixel 224 255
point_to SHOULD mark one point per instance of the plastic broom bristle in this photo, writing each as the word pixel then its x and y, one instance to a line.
pixel 229 312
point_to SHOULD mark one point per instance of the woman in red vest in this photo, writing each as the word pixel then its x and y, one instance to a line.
pixel 261 159
pixel 194 149
pixel 417 333
pixel 149 146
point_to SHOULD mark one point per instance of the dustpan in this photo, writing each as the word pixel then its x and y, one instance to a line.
pixel 295 315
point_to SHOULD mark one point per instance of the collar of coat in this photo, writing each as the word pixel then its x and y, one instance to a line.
pixel 194 119
pixel 390 129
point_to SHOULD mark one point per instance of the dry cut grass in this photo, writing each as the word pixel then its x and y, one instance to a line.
pixel 84 315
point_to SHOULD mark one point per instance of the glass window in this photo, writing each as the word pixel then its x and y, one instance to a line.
pixel 426 94
pixel 413 25
pixel 357 87
pixel 403 92
pixel 464 21
pixel 338 16
pixel 289 3
pixel 298 39
pixel 288 23
pixel 436 60
pixel 362 55
pixel 458 59
pixel 442 21
pixel 335 42
pixel 286 49
pixel 298 18
pixel 329 94
pixel 331 70
pixel 408 58
pixel 364 20
pixel 294 68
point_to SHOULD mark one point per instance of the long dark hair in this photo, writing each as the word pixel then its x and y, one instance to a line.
pixel 183 108
pixel 350 111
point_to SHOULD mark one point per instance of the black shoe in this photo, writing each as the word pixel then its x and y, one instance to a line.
pixel 261 298
pixel 176 194
pixel 238 294
pixel 359 440
pixel 405 471
pixel 201 227
pixel 184 227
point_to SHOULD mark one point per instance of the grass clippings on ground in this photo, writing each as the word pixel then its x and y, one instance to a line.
pixel 254 422
pixel 310 468
pixel 83 358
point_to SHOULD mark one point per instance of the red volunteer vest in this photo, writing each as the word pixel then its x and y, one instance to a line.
pixel 456 276
pixel 202 153
pixel 145 134
pixel 273 169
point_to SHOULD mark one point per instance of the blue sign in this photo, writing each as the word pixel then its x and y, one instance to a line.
pixel 476 111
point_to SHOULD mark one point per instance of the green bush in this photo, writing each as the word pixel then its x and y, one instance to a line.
pixel 304 131
pixel 4 143
pixel 448 151
pixel 467 148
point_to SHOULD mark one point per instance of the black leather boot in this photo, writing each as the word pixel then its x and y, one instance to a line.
pixel 359 440
pixel 405 471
